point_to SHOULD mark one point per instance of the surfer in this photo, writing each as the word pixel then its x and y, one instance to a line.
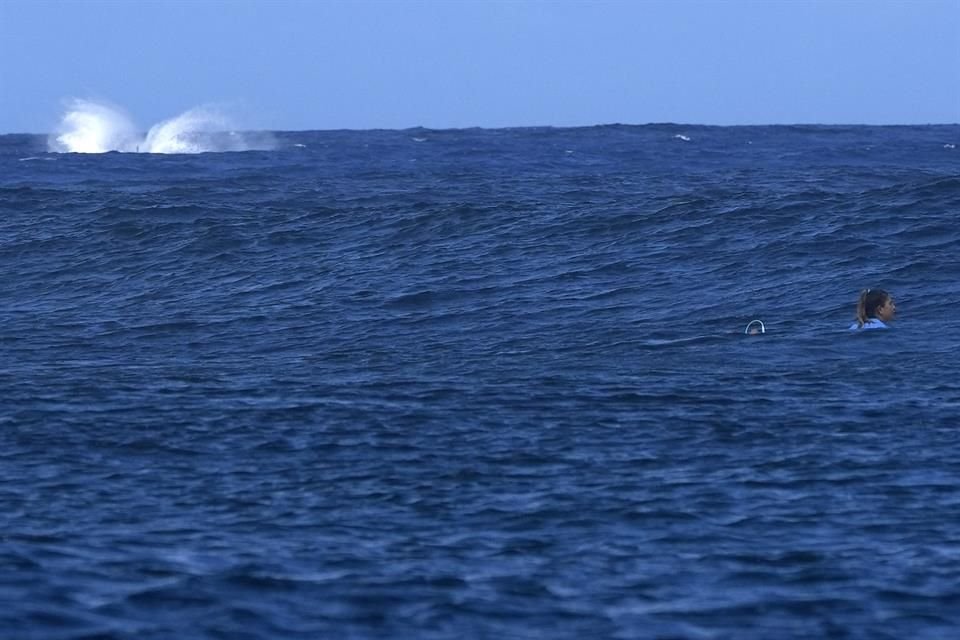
pixel 875 309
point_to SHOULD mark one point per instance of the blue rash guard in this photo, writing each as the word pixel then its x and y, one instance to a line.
pixel 872 323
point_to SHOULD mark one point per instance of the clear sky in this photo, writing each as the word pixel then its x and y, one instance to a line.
pixel 360 64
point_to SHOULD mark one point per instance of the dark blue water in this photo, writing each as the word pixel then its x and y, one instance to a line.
pixel 484 384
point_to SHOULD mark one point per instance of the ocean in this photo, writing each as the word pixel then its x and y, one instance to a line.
pixel 482 383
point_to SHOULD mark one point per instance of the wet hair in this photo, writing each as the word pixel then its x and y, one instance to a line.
pixel 870 301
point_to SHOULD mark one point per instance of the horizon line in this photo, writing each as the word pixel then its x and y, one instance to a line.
pixel 549 126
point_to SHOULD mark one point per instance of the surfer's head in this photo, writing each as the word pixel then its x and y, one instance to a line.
pixel 875 303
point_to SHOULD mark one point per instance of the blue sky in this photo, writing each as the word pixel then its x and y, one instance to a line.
pixel 295 65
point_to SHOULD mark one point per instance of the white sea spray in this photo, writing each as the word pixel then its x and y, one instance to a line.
pixel 90 126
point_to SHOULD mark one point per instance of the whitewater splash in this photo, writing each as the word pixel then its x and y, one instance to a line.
pixel 96 127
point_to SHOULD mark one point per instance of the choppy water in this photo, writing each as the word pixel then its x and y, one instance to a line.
pixel 484 384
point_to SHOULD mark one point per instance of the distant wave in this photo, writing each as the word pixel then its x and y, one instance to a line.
pixel 97 127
